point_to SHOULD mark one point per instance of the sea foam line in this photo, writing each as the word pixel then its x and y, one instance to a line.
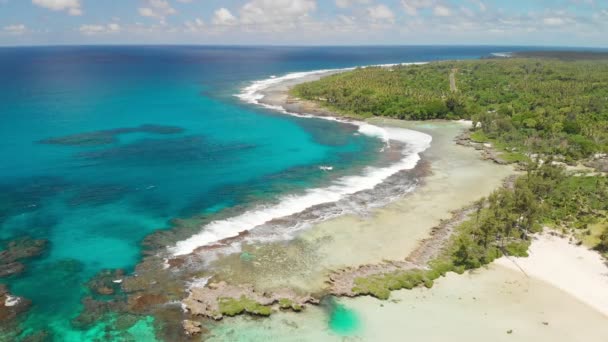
pixel 415 143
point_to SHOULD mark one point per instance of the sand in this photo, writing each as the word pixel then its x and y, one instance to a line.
pixel 561 297
pixel 481 306
pixel 576 270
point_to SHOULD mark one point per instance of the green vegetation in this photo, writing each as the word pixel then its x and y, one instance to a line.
pixel 564 55
pixel 531 110
pixel 542 106
pixel 603 243
pixel 288 304
pixel 501 224
pixel 380 286
pixel 232 307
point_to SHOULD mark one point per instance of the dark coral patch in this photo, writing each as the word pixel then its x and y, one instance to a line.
pixel 109 136
pixel 17 250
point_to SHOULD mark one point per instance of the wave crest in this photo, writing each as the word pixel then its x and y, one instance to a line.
pixel 415 142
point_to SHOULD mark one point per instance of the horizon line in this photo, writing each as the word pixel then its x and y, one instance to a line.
pixel 303 45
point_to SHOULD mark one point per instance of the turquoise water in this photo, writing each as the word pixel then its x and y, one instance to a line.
pixel 343 321
pixel 80 170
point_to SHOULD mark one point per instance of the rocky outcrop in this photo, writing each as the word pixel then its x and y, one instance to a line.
pixel 487 150
pixel 598 162
pixel 207 301
pixel 106 282
pixel 11 306
pixel 192 327
pixel 342 282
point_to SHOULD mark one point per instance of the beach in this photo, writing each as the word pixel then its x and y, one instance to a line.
pixel 573 268
pixel 494 303
pixel 451 177
pixel 523 299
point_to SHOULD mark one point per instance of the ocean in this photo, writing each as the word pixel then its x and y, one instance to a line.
pixel 103 146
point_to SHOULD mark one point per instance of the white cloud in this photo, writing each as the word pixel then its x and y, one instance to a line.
pixel 265 12
pixel 223 17
pixel 15 29
pixel 159 9
pixel 196 25
pixel 442 11
pixel 553 21
pixel 412 7
pixel 381 13
pixel 348 3
pixel 71 6
pixel 99 29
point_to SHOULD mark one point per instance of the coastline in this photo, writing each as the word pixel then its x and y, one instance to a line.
pixel 457 177
pixel 454 176
pixel 493 303
pixel 271 93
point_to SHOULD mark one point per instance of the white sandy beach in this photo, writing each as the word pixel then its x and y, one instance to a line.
pixel 576 270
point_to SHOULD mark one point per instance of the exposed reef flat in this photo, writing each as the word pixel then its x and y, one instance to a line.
pixel 217 300
pixel 343 282
pixel 490 304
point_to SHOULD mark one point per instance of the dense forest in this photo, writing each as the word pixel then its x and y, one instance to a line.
pixel 538 111
pixel 546 106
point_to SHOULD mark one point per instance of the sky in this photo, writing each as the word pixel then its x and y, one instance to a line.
pixel 305 22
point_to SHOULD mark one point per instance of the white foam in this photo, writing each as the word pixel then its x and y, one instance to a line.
pixel 415 143
pixel 502 54
pixel 198 283
pixel 253 94
pixel 11 300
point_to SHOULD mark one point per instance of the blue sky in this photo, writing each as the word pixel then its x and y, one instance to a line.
pixel 305 22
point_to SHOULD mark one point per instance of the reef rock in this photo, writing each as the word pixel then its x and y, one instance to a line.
pixel 599 162
pixel 205 301
pixel 11 306
pixel 18 249
pixel 10 269
pixel 192 328
pixel 106 282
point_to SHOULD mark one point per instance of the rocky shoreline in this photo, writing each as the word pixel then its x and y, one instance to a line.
pixel 208 302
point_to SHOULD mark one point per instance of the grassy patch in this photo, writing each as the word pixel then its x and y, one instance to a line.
pixel 514 157
pixel 232 307
pixel 380 286
pixel 518 248
pixel 288 304
pixel 479 137
pixel 591 236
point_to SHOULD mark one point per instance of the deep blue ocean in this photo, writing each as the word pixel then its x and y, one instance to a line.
pixel 101 146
